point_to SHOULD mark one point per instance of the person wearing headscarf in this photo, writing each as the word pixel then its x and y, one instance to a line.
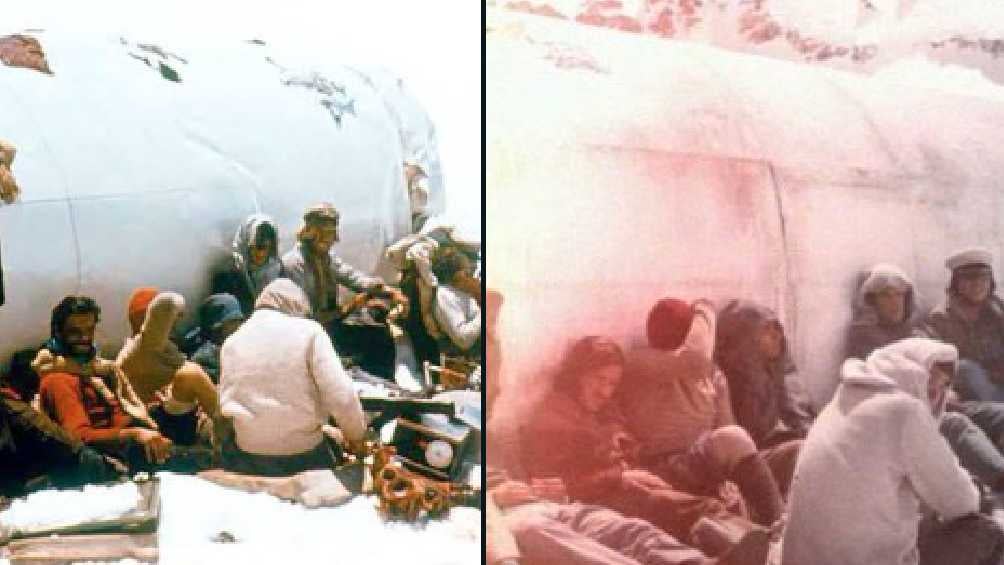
pixel 972 319
pixel 578 437
pixel 90 397
pixel 280 381
pixel 884 310
pixel 219 316
pixel 874 458
pixel 158 370
pixel 253 263
pixel 677 405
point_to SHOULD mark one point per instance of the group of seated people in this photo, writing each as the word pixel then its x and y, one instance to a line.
pixel 702 447
pixel 260 387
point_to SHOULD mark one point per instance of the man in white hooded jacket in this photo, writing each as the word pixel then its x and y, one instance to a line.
pixel 874 457
pixel 280 381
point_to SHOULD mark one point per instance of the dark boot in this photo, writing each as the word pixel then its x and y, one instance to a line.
pixel 730 538
pixel 758 487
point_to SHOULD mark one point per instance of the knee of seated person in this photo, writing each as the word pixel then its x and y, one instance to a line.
pixel 953 423
pixel 732 442
pixel 968 367
pixel 188 381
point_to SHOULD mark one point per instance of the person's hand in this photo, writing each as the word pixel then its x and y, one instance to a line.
pixel 626 447
pixel 156 447
pixel 512 493
pixel 552 489
pixel 643 478
pixel 352 305
pixel 359 448
pixel 465 282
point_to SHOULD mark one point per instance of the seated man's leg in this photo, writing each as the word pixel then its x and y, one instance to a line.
pixel 679 513
pixel 971 540
pixel 988 416
pixel 91 467
pixel 545 541
pixel 632 537
pixel 976 453
pixel 972 382
pixel 782 458
pixel 732 451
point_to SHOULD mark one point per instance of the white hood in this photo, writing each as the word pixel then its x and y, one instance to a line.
pixel 905 365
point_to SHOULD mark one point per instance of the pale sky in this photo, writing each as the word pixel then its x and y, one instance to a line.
pixel 434 45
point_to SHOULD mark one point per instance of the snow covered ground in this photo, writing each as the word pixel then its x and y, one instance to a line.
pixel 194 512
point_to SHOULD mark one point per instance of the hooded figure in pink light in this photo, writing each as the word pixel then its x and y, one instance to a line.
pixel 874 461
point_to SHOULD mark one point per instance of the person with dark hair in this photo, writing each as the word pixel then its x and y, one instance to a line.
pixel 678 406
pixel 883 315
pixel 89 397
pixel 219 316
pixel 580 439
pixel 457 307
pixel 253 263
pixel 34 450
pixel 972 319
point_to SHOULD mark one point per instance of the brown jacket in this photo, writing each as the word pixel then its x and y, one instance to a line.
pixel 564 440
pixel 671 397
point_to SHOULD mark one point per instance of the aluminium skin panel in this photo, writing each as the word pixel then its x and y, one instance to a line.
pixel 861 170
pixel 149 178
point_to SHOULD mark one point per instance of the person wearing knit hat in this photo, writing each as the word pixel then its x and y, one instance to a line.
pixel 319 272
pixel 157 369
pixel 253 263
pixel 139 301
pixel 972 319
pixel 677 405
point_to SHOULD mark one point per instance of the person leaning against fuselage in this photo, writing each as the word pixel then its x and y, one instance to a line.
pixel 578 437
pixel 883 314
pixel 677 405
pixel 972 319
pixel 89 396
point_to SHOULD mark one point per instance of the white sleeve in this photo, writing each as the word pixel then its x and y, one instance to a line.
pixel 933 469
pixel 338 396
pixel 453 321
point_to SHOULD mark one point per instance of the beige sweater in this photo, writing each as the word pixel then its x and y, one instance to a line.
pixel 150 359
pixel 280 379
pixel 669 398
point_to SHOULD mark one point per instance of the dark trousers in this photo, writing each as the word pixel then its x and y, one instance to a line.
pixel 239 461
pixel 971 540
